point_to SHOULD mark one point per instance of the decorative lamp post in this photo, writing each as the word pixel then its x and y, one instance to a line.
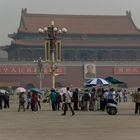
pixel 52 47
pixel 40 71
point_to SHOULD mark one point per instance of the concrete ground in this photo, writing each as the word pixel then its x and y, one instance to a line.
pixel 51 125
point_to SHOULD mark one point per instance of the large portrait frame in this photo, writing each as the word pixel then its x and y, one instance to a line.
pixel 89 71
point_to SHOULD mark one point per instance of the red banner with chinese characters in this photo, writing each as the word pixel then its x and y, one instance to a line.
pixel 25 70
pixel 127 70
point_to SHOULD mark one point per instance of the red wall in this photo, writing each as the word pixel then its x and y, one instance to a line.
pixel 73 76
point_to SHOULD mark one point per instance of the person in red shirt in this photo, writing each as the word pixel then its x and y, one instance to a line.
pixel 34 101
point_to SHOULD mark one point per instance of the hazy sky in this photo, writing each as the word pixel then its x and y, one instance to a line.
pixel 10 11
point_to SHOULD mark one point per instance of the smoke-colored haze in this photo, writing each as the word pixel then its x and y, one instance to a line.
pixel 10 11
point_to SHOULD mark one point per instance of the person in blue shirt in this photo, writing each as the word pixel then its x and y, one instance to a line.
pixel 110 97
pixel 53 97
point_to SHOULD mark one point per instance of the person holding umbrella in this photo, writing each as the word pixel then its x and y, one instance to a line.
pixel 34 101
pixel 22 97
pixel 22 100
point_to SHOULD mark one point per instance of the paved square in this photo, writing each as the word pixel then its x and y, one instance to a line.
pixel 50 125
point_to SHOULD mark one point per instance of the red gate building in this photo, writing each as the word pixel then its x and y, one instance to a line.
pixel 111 44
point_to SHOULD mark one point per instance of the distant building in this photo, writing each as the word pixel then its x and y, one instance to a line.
pixel 111 43
pixel 3 55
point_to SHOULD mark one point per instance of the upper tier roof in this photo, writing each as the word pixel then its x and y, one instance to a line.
pixel 80 24
pixel 88 43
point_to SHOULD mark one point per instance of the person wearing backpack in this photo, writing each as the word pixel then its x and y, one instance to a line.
pixel 53 97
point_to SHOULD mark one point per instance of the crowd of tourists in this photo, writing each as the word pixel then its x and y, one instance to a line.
pixel 75 100
pixel 32 99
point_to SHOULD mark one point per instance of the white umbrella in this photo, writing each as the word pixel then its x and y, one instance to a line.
pixel 62 90
pixel 20 89
pixel 96 82
pixel 3 91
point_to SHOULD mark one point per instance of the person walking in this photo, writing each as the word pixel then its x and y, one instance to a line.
pixel 137 101
pixel 67 102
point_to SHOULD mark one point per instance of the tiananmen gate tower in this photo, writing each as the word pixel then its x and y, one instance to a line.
pixel 110 43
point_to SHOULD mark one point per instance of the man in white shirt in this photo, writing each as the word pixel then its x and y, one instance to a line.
pixel 67 102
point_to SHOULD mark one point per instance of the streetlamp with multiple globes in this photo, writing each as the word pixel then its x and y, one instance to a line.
pixel 52 47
